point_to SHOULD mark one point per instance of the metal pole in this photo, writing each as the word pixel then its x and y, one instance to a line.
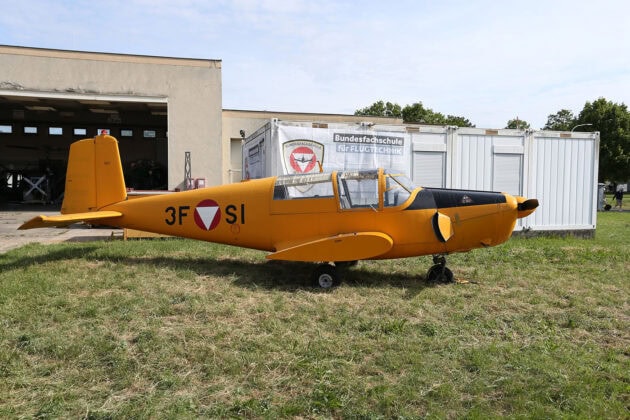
pixel 187 172
pixel 580 125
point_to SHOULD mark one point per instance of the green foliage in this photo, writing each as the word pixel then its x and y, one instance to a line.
pixel 458 121
pixel 518 124
pixel 563 120
pixel 415 113
pixel 612 120
pixel 381 109
pixel 613 123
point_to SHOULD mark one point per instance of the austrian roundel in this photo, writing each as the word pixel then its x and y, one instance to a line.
pixel 207 214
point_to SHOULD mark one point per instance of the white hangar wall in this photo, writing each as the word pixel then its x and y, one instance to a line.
pixel 190 87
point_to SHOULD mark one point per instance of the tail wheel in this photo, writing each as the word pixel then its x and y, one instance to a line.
pixel 326 276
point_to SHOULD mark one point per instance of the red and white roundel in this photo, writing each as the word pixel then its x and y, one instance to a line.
pixel 303 159
pixel 207 214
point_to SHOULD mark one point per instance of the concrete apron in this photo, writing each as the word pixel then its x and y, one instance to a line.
pixel 12 218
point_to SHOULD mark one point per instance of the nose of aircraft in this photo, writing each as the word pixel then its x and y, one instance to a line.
pixel 525 206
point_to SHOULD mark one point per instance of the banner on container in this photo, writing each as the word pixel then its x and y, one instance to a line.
pixel 310 150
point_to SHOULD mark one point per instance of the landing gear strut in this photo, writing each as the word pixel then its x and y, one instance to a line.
pixel 439 272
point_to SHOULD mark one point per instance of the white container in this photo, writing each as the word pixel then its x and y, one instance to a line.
pixel 558 168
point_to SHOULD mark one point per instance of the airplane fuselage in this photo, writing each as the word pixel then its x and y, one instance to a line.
pixel 320 217
pixel 247 215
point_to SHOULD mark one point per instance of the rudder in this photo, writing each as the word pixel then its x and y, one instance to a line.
pixel 94 178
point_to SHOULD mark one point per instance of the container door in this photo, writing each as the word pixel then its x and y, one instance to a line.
pixel 507 173
pixel 429 169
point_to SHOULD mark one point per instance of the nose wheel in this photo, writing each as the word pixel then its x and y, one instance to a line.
pixel 439 272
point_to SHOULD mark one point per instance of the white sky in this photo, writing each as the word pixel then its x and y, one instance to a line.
pixel 488 61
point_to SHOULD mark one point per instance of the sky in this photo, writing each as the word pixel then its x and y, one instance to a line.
pixel 488 61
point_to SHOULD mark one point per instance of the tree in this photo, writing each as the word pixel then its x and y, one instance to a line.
pixel 381 109
pixel 518 124
pixel 458 121
pixel 613 123
pixel 415 113
pixel 563 120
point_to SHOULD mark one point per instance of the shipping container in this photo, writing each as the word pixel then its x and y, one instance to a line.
pixel 558 168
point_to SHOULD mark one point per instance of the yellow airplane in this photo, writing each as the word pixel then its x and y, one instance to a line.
pixel 339 217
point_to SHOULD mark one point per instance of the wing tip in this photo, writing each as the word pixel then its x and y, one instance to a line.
pixel 33 223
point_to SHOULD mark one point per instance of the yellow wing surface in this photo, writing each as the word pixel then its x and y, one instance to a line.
pixel 344 247
pixel 68 219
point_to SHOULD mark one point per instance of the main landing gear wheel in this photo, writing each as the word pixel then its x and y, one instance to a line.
pixel 439 272
pixel 326 276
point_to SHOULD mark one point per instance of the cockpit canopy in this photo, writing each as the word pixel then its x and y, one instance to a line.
pixel 356 189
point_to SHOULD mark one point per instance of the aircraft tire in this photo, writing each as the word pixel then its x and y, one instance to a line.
pixel 326 276
pixel 439 274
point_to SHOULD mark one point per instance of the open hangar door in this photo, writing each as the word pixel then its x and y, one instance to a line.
pixel 36 132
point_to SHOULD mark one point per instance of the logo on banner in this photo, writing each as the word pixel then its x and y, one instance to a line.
pixel 302 156
pixel 207 214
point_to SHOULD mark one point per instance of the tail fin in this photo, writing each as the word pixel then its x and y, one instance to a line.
pixel 94 178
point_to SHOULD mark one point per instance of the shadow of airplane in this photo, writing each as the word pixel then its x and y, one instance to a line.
pixel 264 274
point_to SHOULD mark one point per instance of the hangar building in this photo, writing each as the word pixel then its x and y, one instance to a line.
pixel 158 108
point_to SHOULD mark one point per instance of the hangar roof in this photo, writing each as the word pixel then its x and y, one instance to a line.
pixel 104 56
pixel 45 104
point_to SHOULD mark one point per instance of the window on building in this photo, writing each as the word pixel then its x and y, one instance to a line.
pixel 80 132
pixel 101 131
pixel 6 129
pixel 30 130
pixel 126 133
pixel 55 131
pixel 148 134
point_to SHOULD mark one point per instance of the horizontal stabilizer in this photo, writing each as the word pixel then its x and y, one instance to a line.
pixel 68 219
pixel 344 247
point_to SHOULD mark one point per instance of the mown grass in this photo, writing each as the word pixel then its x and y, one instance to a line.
pixel 176 328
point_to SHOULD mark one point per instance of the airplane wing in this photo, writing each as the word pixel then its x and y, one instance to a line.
pixel 68 219
pixel 344 247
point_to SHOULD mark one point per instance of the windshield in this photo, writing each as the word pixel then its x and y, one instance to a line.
pixel 398 188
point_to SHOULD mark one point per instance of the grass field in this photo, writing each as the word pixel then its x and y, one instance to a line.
pixel 176 328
